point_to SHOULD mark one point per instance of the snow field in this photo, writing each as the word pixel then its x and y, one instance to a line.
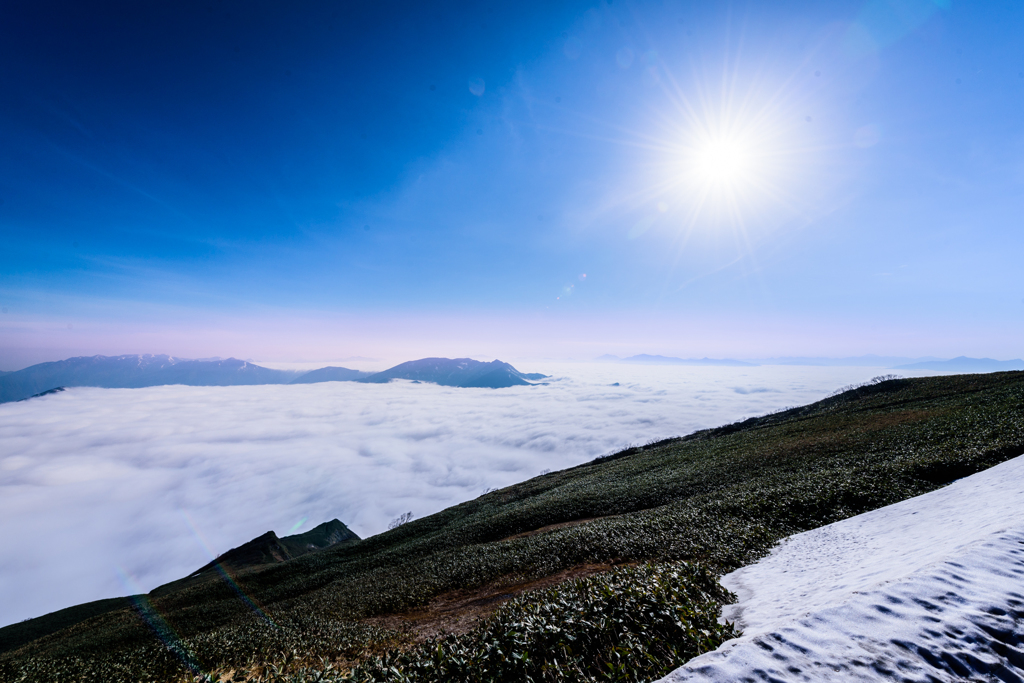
pixel 929 589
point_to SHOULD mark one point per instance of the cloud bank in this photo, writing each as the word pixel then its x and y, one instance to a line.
pixel 101 484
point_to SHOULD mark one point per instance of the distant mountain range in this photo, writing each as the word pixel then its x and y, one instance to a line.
pixel 647 359
pixel 965 364
pixel 867 361
pixel 131 371
pixel 961 364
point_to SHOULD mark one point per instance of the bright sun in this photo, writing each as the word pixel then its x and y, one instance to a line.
pixel 724 160
pixel 721 161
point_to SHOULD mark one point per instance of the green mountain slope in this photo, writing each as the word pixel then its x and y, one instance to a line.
pixel 719 497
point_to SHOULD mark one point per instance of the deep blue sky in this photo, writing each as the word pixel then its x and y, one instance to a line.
pixel 319 179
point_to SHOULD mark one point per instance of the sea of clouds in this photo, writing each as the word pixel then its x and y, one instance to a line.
pixel 106 492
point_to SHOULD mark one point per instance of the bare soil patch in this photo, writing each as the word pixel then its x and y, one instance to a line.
pixel 458 611
pixel 560 525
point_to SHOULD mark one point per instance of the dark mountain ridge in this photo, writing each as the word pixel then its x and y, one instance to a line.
pixel 268 548
pixel 261 551
pixel 264 550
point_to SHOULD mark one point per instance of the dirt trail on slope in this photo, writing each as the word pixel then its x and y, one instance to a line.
pixel 458 611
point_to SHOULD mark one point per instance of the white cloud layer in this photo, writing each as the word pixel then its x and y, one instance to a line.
pixel 150 482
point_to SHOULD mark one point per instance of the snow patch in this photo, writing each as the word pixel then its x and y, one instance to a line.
pixel 928 589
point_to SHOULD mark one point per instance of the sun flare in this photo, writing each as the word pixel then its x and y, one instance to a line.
pixel 727 157
pixel 722 161
pixel 727 167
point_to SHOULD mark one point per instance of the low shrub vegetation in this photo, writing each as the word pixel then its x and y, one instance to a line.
pixel 630 624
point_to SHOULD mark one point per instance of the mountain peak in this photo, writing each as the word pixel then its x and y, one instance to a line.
pixel 457 372
pixel 266 549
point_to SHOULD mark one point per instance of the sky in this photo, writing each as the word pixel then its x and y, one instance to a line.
pixel 150 484
pixel 322 180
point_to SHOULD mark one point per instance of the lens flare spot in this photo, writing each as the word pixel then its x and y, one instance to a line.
pixel 297 524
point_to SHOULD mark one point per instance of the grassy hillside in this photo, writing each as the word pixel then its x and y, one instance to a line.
pixel 717 498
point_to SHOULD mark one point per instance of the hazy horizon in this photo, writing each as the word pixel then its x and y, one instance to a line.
pixel 377 364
